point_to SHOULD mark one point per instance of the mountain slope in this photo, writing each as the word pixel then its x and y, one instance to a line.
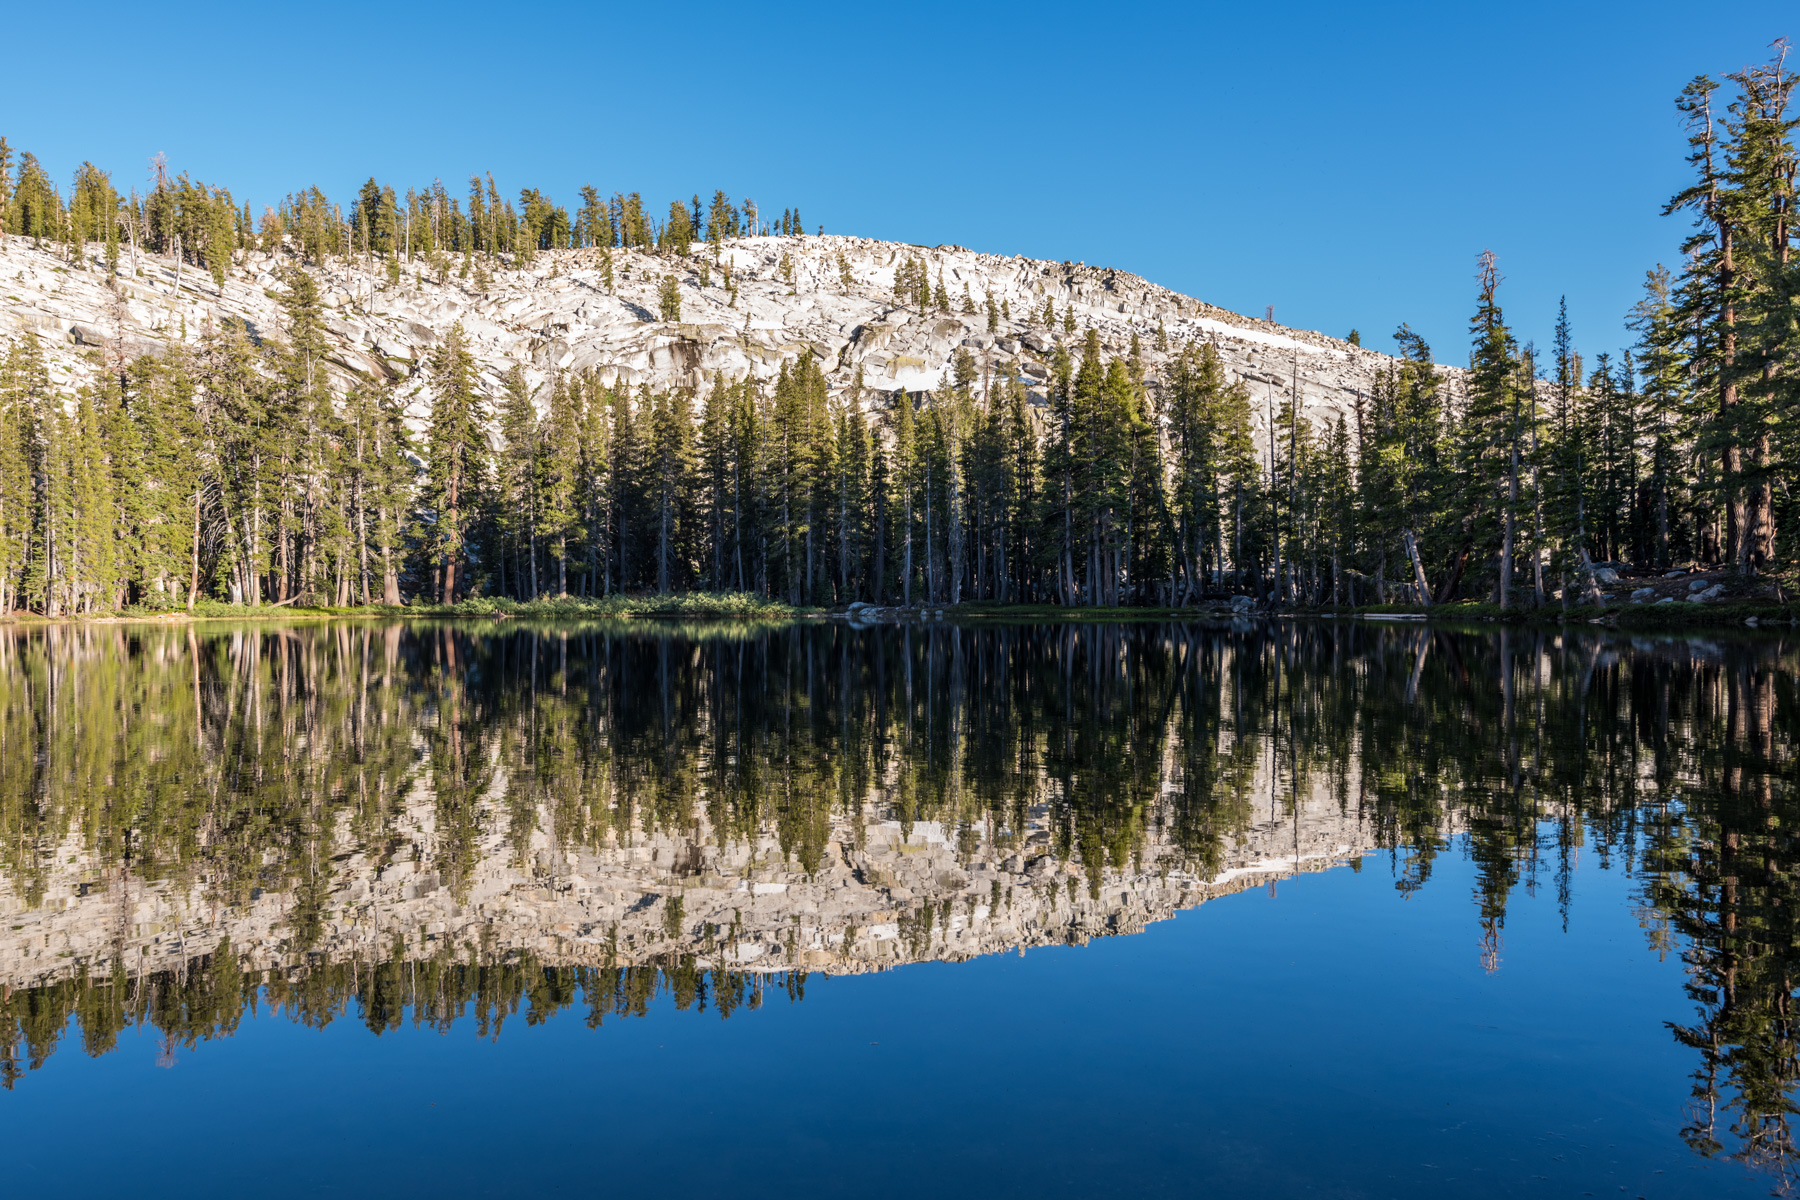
pixel 558 315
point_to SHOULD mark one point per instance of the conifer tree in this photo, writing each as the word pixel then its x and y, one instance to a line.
pixel 560 473
pixel 517 477
pixel 457 457
pixel 715 463
pixel 671 454
pixel 6 189
pixel 721 219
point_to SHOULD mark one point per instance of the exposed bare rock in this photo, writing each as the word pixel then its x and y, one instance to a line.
pixel 559 316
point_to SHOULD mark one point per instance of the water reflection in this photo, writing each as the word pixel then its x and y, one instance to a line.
pixel 420 823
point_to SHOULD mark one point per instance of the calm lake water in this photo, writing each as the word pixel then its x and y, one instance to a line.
pixel 1333 909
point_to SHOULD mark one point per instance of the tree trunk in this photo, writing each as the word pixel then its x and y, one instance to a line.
pixel 1457 567
pixel 1412 552
pixel 1593 584
pixel 194 556
pixel 906 575
pixel 1512 503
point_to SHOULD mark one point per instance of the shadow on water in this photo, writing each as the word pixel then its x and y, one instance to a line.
pixel 419 823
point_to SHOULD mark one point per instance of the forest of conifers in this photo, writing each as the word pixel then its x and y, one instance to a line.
pixel 230 469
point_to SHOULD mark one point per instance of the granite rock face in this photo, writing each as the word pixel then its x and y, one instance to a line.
pixel 787 296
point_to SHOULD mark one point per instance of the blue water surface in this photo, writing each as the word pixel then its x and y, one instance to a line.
pixel 1328 1037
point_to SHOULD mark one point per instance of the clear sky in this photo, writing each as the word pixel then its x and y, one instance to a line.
pixel 1342 162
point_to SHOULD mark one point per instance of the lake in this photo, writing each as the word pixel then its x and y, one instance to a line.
pixel 1287 909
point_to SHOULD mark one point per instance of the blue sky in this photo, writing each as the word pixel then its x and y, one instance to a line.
pixel 1344 163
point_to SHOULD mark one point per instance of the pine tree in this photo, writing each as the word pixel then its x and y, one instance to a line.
pixel 853 482
pixel 670 461
pixel 678 234
pixel 456 451
pixel 560 471
pixel 1761 170
pixel 1196 388
pixel 594 490
pixel 624 480
pixel 17 518
pixel 1712 294
pixel 517 478
pixel 1662 349
pixel 6 189
pixel 721 219
pixel 904 481
pixel 715 463
pixel 1021 487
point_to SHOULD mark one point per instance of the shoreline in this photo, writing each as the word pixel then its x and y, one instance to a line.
pixel 694 605
pixel 1646 618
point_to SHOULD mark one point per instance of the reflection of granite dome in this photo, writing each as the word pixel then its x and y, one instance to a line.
pixel 558 316
pixel 904 896
pixel 357 790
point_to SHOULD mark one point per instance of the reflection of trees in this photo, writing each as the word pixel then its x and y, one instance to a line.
pixel 207 998
pixel 254 758
pixel 1721 863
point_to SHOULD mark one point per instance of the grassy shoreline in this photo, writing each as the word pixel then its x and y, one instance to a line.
pixel 727 606
pixel 1646 617
pixel 1639 617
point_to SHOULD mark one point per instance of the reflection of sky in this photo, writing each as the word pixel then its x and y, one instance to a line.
pixel 1333 1039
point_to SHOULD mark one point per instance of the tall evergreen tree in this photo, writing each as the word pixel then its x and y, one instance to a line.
pixel 457 454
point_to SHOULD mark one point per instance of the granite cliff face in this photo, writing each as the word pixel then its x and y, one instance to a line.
pixel 831 296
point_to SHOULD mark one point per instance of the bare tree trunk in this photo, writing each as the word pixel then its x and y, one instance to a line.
pixel 1412 552
pixel 1593 584
pixel 390 580
pixel 447 592
pixel 362 531
pixel 194 556
pixel 907 570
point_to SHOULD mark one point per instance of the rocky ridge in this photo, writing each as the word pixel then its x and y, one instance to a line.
pixel 790 298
